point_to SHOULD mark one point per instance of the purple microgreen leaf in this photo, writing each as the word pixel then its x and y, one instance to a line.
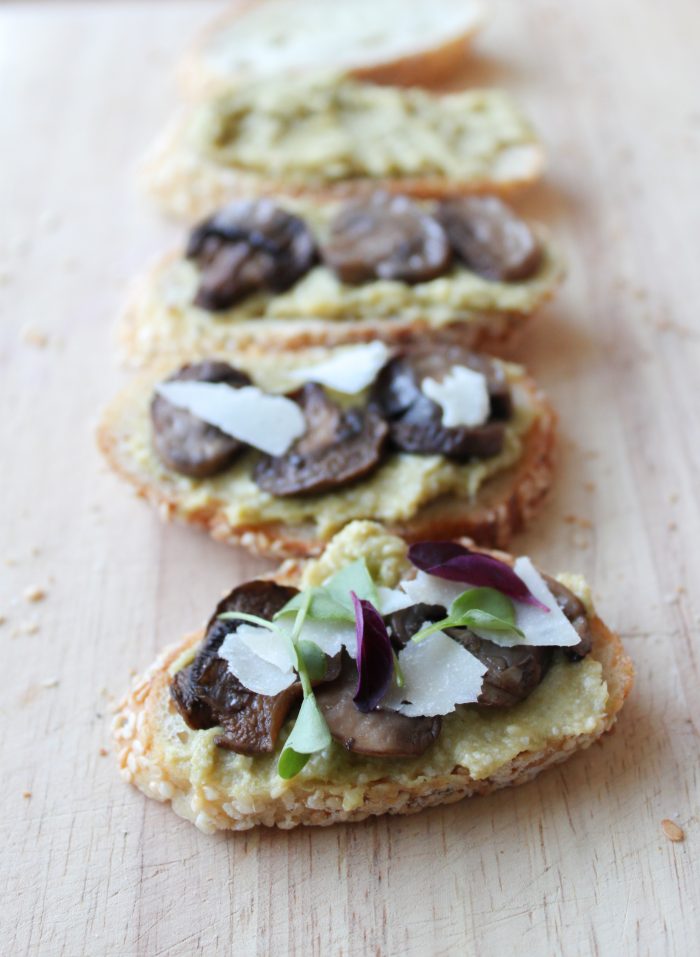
pixel 459 564
pixel 375 656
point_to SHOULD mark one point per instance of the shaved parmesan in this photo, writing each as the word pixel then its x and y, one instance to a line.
pixel 350 370
pixel 438 675
pixel 259 658
pixel 463 396
pixel 541 627
pixel 270 423
pixel 431 590
pixel 331 636
pixel 393 599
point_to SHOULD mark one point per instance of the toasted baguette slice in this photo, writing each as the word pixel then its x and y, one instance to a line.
pixel 330 136
pixel 387 41
pixel 160 317
pixel 488 500
pixel 218 790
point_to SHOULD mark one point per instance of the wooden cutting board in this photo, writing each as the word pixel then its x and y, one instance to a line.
pixel 574 863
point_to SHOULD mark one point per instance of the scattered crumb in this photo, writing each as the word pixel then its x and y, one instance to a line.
pixel 672 831
pixel 577 520
pixel 672 526
pixel 35 551
pixel 32 336
pixel 34 593
pixel 673 497
pixel 10 562
pixel 589 486
pixel 3 619
pixel 104 752
pixel 30 627
pixel 50 683
pixel 680 589
pixel 26 795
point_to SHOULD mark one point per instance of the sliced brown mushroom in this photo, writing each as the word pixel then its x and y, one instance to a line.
pixel 185 443
pixel 406 622
pixel 207 695
pixel 575 611
pixel 386 237
pixel 513 673
pixel 489 238
pixel 415 421
pixel 378 733
pixel 338 447
pixel 248 246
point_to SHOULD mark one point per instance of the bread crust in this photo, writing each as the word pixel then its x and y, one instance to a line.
pixel 505 503
pixel 137 731
pixel 188 186
pixel 142 337
pixel 425 67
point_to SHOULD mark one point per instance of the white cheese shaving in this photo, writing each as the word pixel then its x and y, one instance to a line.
pixel 438 675
pixel 331 636
pixel 259 658
pixel 270 423
pixel 431 590
pixel 349 371
pixel 463 396
pixel 392 599
pixel 541 627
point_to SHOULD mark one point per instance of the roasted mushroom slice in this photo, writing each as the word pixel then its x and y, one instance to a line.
pixel 338 447
pixel 248 246
pixel 386 237
pixel 513 673
pixel 207 694
pixel 378 733
pixel 185 443
pixel 489 238
pixel 404 624
pixel 575 611
pixel 415 421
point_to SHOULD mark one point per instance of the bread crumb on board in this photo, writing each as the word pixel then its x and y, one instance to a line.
pixel 31 336
pixel 26 795
pixel 34 593
pixel 672 830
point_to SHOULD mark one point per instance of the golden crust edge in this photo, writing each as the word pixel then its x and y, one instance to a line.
pixel 136 729
pixel 508 502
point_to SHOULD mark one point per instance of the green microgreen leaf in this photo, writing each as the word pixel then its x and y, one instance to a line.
pixel 310 732
pixel 398 673
pixel 253 619
pixel 484 609
pixel 290 763
pixel 322 607
pixel 484 599
pixel 356 578
pixel 314 659
pixel 331 601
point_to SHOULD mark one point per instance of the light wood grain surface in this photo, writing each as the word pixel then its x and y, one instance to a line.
pixel 575 863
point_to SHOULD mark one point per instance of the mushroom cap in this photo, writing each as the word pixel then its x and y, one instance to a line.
pixel 338 447
pixel 378 733
pixel 185 443
pixel 206 693
pixel 248 246
pixel 415 421
pixel 489 238
pixel 386 237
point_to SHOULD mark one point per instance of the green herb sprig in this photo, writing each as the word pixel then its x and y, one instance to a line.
pixel 484 609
